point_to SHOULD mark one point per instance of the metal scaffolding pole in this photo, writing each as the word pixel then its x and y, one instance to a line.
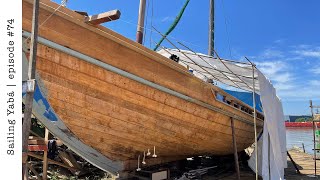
pixel 314 139
pixel 254 116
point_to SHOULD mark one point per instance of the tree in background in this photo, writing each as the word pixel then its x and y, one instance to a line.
pixel 303 119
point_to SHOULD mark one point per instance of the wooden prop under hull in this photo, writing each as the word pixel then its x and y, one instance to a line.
pixel 116 99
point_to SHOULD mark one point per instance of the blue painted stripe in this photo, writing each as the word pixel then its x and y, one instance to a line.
pixel 41 100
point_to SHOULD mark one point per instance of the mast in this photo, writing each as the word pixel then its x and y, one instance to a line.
pixel 140 28
pixel 211 29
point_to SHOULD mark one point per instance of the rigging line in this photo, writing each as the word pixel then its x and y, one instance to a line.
pixel 209 64
pixel 226 27
pixel 62 4
pixel 227 60
pixel 170 36
pixel 213 67
pixel 216 69
pixel 184 62
pixel 146 18
pixel 223 71
pixel 172 65
pixel 200 72
pixel 151 23
pixel 230 69
pixel 185 54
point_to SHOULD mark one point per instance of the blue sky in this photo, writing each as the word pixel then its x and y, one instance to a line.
pixel 281 37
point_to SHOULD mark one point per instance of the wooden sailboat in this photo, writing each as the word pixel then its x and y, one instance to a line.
pixel 110 99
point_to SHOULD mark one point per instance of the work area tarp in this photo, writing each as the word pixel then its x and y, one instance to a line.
pixel 236 74
pixel 274 131
pixel 240 75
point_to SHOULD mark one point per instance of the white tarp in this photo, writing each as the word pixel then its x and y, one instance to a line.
pixel 240 75
pixel 274 128
pixel 236 74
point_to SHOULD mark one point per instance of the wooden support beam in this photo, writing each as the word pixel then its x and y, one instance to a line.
pixel 36 142
pixel 50 161
pixel 235 152
pixel 33 170
pixel 294 163
pixel 73 160
pixel 68 160
pixel 45 155
pixel 103 17
pixel 31 78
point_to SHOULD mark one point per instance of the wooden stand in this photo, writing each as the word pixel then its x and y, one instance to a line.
pixel 235 152
pixel 29 97
pixel 45 156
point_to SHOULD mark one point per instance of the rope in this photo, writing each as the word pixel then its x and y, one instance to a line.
pixel 171 28
pixel 63 3
pixel 226 28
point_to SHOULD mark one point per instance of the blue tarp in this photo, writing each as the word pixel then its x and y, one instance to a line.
pixel 247 98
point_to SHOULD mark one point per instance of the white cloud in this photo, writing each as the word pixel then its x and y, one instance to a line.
pixel 288 70
pixel 307 51
pixel 279 41
pixel 315 70
pixel 271 53
pixel 283 87
pixel 277 71
pixel 315 83
pixel 167 18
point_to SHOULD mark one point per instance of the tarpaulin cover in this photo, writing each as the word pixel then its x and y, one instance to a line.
pixel 272 145
pixel 205 67
pixel 240 75
pixel 246 97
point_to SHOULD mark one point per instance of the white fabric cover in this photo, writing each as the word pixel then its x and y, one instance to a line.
pixel 240 75
pixel 274 128
pixel 205 67
pixel 252 160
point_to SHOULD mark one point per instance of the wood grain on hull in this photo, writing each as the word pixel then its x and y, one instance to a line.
pixel 121 117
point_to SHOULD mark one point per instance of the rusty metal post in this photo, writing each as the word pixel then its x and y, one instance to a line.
pixel 29 97
pixel 314 139
pixel 140 28
pixel 235 152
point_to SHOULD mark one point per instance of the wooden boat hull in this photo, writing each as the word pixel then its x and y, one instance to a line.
pixel 121 99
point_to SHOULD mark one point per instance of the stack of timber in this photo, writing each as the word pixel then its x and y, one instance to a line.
pixel 118 99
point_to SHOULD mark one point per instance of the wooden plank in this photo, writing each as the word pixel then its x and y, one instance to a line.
pixel 111 89
pixel 50 161
pixel 73 159
pixel 103 17
pixel 67 160
pixel 37 148
pixel 34 171
pixel 45 155
pixel 235 150
pixel 36 142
